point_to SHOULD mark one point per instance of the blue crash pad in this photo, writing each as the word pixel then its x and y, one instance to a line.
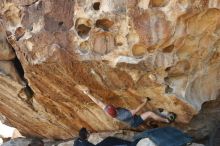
pixel 166 136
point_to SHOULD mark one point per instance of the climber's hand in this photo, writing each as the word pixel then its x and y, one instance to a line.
pixel 83 88
pixel 86 91
pixel 146 99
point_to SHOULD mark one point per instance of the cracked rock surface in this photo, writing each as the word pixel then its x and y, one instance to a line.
pixel 122 50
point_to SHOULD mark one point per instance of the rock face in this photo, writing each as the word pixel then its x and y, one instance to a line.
pixel 121 50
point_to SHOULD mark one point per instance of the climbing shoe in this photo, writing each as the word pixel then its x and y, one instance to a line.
pixel 168 115
pixel 171 117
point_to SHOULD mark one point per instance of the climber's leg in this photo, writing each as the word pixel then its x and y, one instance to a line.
pixel 152 115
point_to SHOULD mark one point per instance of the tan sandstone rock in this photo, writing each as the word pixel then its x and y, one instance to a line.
pixel 122 50
pixel 6 52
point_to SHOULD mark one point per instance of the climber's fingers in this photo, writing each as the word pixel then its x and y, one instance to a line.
pixel 83 88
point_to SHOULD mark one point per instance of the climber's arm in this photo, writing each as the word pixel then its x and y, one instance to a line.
pixel 85 90
pixel 134 111
pixel 98 102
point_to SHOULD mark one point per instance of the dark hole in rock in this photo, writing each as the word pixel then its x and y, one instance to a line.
pixel 29 92
pixel 105 24
pixel 83 30
pixel 96 6
pixel 168 89
pixel 60 23
pixel 167 80
pixel 168 69
pixel 168 49
pixel 19 68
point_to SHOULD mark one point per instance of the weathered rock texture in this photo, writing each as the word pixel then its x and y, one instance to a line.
pixel 123 50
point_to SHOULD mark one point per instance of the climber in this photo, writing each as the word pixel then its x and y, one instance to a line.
pixel 126 115
pixel 82 140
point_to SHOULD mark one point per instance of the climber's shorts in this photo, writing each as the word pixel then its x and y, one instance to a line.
pixel 136 121
pixel 125 115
